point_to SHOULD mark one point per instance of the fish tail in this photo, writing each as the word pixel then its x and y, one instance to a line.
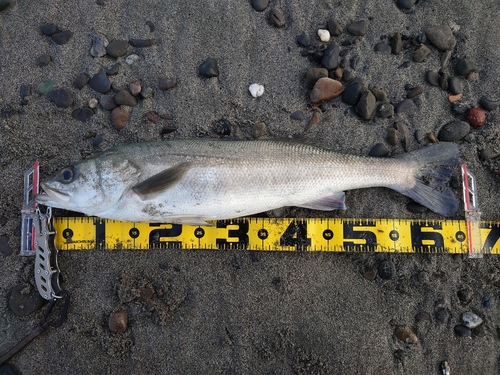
pixel 433 170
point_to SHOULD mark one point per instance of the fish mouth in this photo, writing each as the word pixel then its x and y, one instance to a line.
pixel 52 197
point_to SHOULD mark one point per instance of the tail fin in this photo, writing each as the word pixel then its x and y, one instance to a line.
pixel 434 170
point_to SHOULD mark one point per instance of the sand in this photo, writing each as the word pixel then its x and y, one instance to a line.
pixel 237 312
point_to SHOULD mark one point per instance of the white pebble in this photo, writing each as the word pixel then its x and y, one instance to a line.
pixel 93 103
pixel 256 90
pixel 324 35
pixel 471 320
pixel 130 59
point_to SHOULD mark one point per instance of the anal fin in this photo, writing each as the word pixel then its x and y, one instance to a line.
pixel 330 203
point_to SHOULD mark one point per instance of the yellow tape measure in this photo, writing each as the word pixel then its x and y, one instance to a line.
pixel 264 234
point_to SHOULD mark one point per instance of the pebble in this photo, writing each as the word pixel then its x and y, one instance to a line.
pixel 119 117
pixel 334 27
pixel 49 29
pixel 4 4
pixel 107 102
pixel 489 104
pixel 352 93
pixel 396 44
pixel 24 299
pixel 142 43
pixel 422 316
pixel 81 80
pixel 62 37
pixel 399 354
pixel 123 97
pixel 465 296
pixel 348 75
pixel 433 78
pixel 404 105
pixel 24 93
pixel 379 150
pixel 46 88
pixel 302 40
pixel 297 115
pixel 99 44
pixel 113 70
pixel 383 47
pixel 488 153
pixel 5 248
pixel 421 54
pixel 455 85
pixel 209 68
pixel 100 82
pixel 167 83
pixel 313 121
pixel 147 92
pixel 441 36
pixel 130 59
pixel 488 301
pixel 222 128
pixel 366 105
pixel 476 116
pixel 256 90
pixel 404 132
pixel 62 98
pixel 118 321
pixel 386 269
pixel 337 73
pixel 117 48
pixel 313 74
pixel 324 35
pixel 153 117
pixel 464 67
pixel 415 92
pixel 454 98
pixel 442 315
pixel 326 89
pixel 167 130
pixel 472 76
pixel 392 136
pixel 462 331
pixel 445 59
pixel 354 62
pixel 135 88
pixel 43 60
pixel 277 18
pixel 93 103
pixel 96 142
pixel 379 93
pixel 443 80
pixel 406 4
pixel 454 131
pixel 357 28
pixel 386 110
pixel 82 114
pixel 151 26
pixel 167 116
pixel 416 208
pixel 260 5
pixel 431 137
pixel 330 58
pixel 405 334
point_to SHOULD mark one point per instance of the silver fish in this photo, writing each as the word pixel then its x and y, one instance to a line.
pixel 191 181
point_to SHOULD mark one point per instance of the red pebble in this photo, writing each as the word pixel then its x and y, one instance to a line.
pixel 477 116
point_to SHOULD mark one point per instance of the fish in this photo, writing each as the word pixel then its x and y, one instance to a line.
pixel 199 180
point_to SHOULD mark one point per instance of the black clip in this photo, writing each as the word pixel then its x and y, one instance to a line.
pixel 64 310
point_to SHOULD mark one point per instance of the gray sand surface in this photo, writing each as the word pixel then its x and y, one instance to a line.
pixel 235 312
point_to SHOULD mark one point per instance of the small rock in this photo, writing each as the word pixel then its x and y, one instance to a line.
pixel 404 105
pixel 130 59
pixel 431 137
pixel 302 40
pixel 62 98
pixel 488 300
pixel 313 74
pixel 348 75
pixel 313 121
pixel 442 315
pixel 386 110
pixel 370 275
pixel 222 128
pixel 259 130
pixel 96 142
pixel 107 102
pixel 93 103
pixel 113 70
pixel 326 89
pixel 443 80
pixel 118 321
pixel 406 335
pixel 167 116
pixel 209 68
pixel 81 80
pixel 24 300
pixel 24 93
pixel 100 82
pixel 43 60
pixel 415 92
pixel 366 105
pixel 422 316
pixel 392 136
pixel 464 67
pixel 49 29
pixel 167 83
pixel 82 114
pixel 135 88
pixel 462 331
pixel 383 48
pixel 421 54
pixel 330 59
pixel 404 133
pixel 352 93
pixel 324 35
pixel 477 116
pixel 147 92
pixel 454 98
pixel 454 131
pixel 445 59
pixel 433 78
pixel 123 97
pixel 333 27
pixel 256 90
pixel 379 94
pixel 472 76
pixel 151 26
pixel 142 43
pixel 488 153
pixel 379 151
pixel 396 44
pixel 357 28
pixel 399 354
pixel 489 104
pixel 386 269
pixel 465 296
pixel 406 4
pixel 5 248
pixel 416 208
pixel 260 5
pixel 62 37
pixel 45 88
pixel 455 85
pixel 99 44
pixel 337 73
pixel 297 115
pixel 117 48
pixel 153 117
pixel 354 62
pixel 119 117
pixel 277 17
pixel 441 36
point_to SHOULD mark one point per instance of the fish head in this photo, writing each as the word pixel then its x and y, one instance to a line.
pixel 91 186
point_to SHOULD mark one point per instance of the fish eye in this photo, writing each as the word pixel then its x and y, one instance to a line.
pixel 67 175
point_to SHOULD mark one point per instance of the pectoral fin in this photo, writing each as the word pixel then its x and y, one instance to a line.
pixel 330 203
pixel 160 182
